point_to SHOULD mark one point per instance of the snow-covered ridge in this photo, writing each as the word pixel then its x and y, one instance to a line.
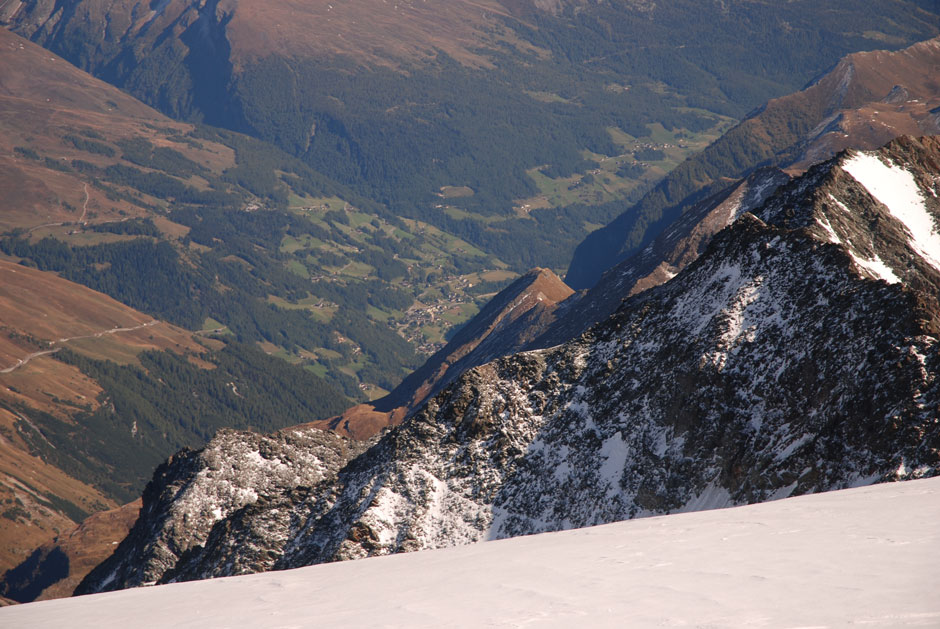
pixel 195 490
pixel 865 557
pixel 897 189
pixel 879 207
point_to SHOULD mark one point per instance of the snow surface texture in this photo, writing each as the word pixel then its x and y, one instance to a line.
pixel 865 557
pixel 771 366
pixel 897 189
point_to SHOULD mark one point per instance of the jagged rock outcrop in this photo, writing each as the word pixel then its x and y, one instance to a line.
pixel 669 253
pixel 797 354
pixel 195 490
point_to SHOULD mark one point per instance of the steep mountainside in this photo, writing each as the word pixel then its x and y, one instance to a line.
pixel 253 244
pixel 220 482
pixel 684 239
pixel 866 100
pixel 797 354
pixel 544 118
pixel 504 326
pixel 88 179
pixel 538 310
pixel 673 250
pixel 54 569
pixel 46 487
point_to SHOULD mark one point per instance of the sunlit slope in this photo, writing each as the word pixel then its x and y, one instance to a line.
pixel 41 315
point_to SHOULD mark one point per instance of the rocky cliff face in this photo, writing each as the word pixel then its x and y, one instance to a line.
pixel 798 353
pixel 195 490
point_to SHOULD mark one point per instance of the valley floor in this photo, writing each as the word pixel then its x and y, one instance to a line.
pixel 866 556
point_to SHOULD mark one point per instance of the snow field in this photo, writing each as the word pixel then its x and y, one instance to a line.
pixel 858 557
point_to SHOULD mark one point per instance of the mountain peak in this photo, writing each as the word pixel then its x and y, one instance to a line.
pixel 844 108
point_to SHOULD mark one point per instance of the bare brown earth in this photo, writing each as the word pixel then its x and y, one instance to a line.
pixel 88 544
pixel 362 421
pixel 52 312
pixel 42 100
pixel 868 99
pixel 374 32
pixel 370 32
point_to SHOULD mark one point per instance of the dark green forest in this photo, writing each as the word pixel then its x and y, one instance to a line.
pixel 166 403
pixel 398 136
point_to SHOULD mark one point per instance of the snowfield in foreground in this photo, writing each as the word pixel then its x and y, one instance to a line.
pixel 860 557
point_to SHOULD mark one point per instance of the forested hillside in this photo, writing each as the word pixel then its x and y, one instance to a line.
pixel 515 128
pixel 250 243
pixel 292 295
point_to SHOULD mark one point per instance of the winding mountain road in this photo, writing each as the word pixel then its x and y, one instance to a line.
pixel 25 360
pixel 28 358
pixel 81 219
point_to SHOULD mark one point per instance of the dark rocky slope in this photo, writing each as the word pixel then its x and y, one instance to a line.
pixel 797 354
pixel 671 251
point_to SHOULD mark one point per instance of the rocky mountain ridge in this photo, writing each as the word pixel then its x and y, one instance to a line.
pixel 673 250
pixel 195 490
pixel 863 102
pixel 797 354
pixel 539 310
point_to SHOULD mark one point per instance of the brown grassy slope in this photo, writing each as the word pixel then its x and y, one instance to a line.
pixel 55 313
pixel 41 312
pixel 84 547
pixel 886 95
pixel 868 99
pixel 27 517
pixel 43 99
pixel 369 32
pixel 372 32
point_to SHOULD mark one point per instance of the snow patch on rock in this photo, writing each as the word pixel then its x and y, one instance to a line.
pixel 897 190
